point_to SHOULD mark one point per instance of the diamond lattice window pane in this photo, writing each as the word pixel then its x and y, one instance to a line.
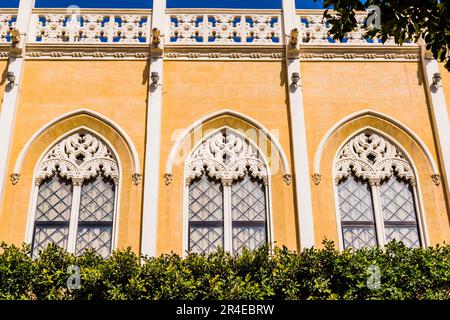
pixel 54 200
pixel 96 216
pixel 97 200
pixel 205 200
pixel 248 206
pixel 355 200
pixel 205 215
pixel 399 212
pixel 250 237
pixel 94 237
pixel 408 235
pixel 397 200
pixel 248 200
pixel 357 214
pixel 46 234
pixel 205 239
pixel 359 237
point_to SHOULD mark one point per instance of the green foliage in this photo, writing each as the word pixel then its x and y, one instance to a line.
pixel 403 20
pixel 326 273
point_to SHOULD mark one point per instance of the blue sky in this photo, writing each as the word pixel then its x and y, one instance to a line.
pixel 268 4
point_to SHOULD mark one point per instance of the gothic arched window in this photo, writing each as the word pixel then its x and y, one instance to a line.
pixel 76 196
pixel 227 195
pixel 377 193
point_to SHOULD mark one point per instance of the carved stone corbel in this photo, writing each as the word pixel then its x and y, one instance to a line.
pixel 287 178
pixel 14 177
pixel 293 49
pixel 317 178
pixel 168 177
pixel 156 43
pixel 137 178
pixel 16 47
pixel 436 179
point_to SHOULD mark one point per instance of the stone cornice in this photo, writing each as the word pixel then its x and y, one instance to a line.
pixel 4 51
pixel 359 52
pixel 87 52
pixel 223 52
pixel 64 51
pixel 8 10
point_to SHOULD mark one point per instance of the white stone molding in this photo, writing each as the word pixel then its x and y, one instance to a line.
pixel 84 51
pixel 439 115
pixel 12 90
pixel 227 112
pixel 189 52
pixel 153 138
pixel 4 52
pixel 194 52
pixel 225 156
pixel 359 52
pixel 47 126
pixel 298 134
pixel 78 157
pixel 368 112
pixel 373 158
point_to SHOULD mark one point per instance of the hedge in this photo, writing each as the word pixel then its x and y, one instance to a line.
pixel 326 273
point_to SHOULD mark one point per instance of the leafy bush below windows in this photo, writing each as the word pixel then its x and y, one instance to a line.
pixel 312 274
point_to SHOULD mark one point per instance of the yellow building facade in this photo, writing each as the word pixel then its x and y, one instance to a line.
pixel 189 129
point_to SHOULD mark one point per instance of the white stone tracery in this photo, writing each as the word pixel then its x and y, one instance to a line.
pixel 93 28
pixel 81 215
pixel 226 183
pixel 373 158
pixel 226 156
pixel 376 192
pixel 224 29
pixel 79 157
pixel 315 30
pixel 5 24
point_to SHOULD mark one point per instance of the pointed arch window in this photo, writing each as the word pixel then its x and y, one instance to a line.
pixel 227 195
pixel 377 193
pixel 76 196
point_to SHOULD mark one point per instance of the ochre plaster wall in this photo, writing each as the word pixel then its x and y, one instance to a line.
pixel 334 90
pixel 116 90
pixel 195 89
pixel 192 90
